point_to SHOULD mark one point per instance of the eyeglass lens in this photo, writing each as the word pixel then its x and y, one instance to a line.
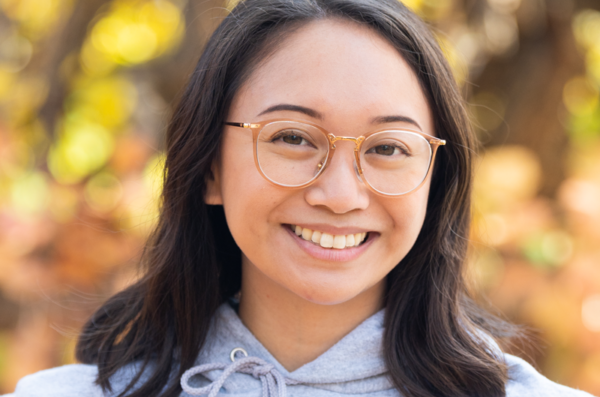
pixel 293 154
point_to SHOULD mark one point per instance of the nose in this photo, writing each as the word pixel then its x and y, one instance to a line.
pixel 339 189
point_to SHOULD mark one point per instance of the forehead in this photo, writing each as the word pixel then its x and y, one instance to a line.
pixel 343 70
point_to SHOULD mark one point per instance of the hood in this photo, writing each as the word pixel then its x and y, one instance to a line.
pixel 354 365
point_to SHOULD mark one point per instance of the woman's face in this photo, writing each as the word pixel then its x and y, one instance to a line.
pixel 351 81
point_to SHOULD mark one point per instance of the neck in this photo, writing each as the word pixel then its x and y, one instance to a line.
pixel 294 330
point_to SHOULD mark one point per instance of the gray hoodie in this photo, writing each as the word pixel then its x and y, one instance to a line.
pixel 354 366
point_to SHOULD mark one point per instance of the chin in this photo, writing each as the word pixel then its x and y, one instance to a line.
pixel 327 294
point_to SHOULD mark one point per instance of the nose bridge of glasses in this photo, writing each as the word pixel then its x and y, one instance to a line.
pixel 357 141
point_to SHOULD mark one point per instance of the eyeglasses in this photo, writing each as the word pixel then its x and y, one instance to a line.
pixel 391 162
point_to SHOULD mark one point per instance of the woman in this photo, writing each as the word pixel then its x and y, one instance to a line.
pixel 313 230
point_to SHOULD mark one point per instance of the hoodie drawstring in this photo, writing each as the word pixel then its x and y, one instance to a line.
pixel 273 383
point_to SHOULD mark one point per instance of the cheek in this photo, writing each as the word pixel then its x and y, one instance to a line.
pixel 248 199
pixel 239 179
pixel 408 214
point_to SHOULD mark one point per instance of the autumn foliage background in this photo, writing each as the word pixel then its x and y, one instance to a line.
pixel 86 90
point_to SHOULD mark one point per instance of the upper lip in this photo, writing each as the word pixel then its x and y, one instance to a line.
pixel 333 230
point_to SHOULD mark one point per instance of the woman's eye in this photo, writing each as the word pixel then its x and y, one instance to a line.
pixel 387 150
pixel 293 139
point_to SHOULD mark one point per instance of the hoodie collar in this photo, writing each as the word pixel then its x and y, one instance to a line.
pixel 355 364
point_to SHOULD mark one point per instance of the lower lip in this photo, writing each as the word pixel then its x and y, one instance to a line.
pixel 332 254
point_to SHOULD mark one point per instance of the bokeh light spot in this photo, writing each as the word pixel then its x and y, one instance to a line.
pixel 35 16
pixel 505 176
pixel 95 62
pixel 103 192
pixel 455 59
pixel 590 313
pixel 136 43
pixel 165 20
pixel 548 249
pixel 501 32
pixel 83 148
pixel 135 33
pixel 592 60
pixel 108 101
pixel 494 229
pixel 557 247
pixel 586 26
pixel 15 52
pixel 580 196
pixel 30 193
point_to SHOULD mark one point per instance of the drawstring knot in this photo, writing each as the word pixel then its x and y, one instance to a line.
pixel 273 382
pixel 262 370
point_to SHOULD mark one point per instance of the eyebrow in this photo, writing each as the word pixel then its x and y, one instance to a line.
pixel 316 115
pixel 293 108
pixel 395 119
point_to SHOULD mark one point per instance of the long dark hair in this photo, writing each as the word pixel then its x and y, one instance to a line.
pixel 436 341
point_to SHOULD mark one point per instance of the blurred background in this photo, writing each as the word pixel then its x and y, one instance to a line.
pixel 87 88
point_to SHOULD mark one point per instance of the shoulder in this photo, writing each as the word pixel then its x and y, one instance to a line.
pixel 74 380
pixel 68 381
pixel 524 380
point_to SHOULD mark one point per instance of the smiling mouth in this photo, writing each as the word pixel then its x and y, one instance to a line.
pixel 327 240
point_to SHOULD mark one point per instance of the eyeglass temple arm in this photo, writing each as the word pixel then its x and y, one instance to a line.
pixel 243 125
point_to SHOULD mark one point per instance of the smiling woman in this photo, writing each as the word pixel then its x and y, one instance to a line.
pixel 313 229
pixel 332 93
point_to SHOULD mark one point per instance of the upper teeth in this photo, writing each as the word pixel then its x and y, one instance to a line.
pixel 327 240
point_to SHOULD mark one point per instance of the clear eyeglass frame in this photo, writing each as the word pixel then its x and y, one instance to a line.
pixel 256 128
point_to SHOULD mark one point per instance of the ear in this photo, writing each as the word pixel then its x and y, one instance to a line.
pixel 213 186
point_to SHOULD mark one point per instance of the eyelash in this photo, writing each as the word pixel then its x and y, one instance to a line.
pixel 284 133
pixel 402 149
